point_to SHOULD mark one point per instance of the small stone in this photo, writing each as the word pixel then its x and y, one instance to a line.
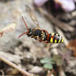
pixel 36 70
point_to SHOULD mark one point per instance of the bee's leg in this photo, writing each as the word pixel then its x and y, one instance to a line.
pixel 46 41
pixel 38 38
pixel 35 37
pixel 32 36
pixel 48 46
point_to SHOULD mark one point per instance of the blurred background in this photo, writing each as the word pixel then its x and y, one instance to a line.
pixel 26 56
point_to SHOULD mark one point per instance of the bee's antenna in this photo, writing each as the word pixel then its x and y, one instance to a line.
pixel 25 26
pixel 24 22
pixel 22 34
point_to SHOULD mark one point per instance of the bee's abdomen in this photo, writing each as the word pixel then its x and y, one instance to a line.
pixel 54 38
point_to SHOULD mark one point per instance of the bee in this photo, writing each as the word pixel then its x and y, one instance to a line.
pixel 40 34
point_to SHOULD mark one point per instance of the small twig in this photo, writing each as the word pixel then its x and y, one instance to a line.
pixel 7 29
pixel 14 66
pixel 55 21
pixel 61 71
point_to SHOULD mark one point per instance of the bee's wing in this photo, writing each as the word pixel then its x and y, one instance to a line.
pixel 32 15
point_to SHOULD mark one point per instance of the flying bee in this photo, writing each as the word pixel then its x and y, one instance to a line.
pixel 40 34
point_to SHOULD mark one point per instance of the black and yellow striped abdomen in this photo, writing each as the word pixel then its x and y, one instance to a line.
pixel 55 38
pixel 42 35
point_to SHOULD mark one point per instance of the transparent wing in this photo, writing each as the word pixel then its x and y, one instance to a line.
pixel 32 15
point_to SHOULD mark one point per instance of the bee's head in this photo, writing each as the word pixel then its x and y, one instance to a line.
pixel 29 32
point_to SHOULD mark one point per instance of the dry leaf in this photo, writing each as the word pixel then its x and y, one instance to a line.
pixel 7 29
pixel 72 45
